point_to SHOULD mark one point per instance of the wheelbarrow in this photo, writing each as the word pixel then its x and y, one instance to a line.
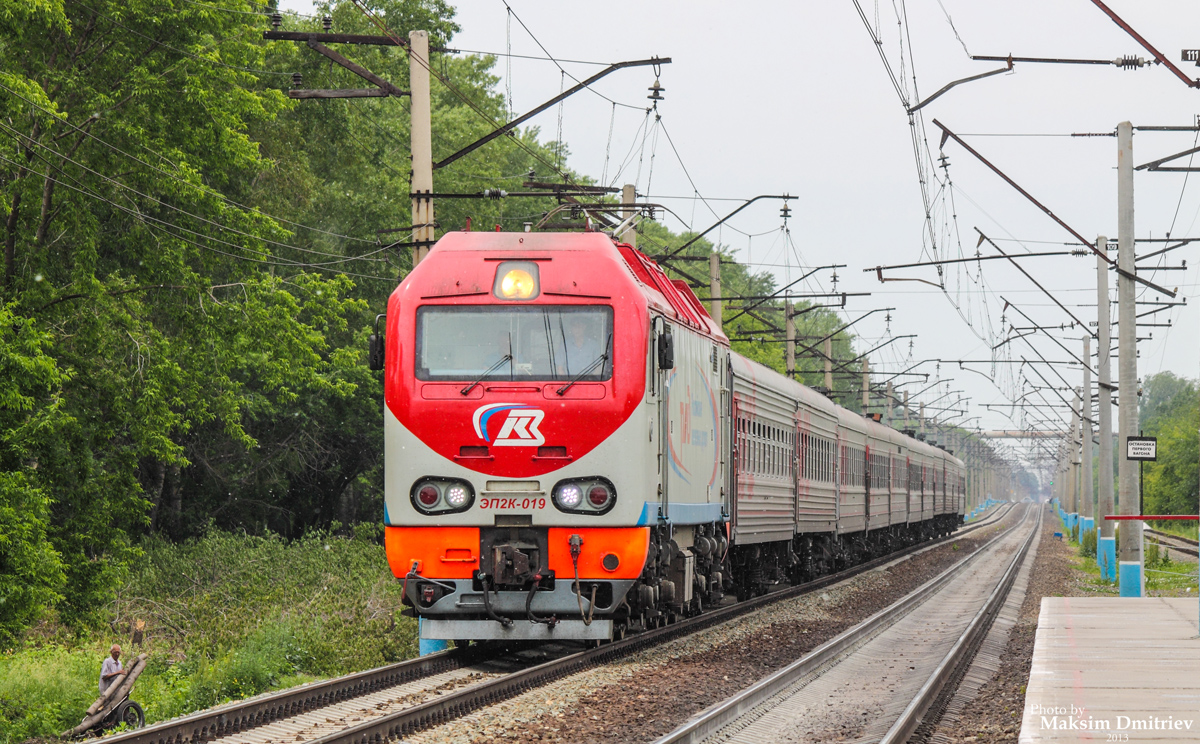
pixel 114 707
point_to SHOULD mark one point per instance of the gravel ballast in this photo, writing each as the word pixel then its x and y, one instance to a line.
pixel 995 714
pixel 648 694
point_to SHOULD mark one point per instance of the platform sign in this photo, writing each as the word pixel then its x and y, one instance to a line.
pixel 1141 448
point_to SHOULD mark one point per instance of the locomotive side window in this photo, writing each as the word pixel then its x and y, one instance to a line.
pixel 514 343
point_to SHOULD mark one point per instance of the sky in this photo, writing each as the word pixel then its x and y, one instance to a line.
pixel 791 97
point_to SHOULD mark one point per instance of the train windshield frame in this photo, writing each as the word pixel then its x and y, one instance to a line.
pixel 519 343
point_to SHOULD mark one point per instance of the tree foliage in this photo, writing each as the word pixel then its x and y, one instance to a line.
pixel 1170 410
pixel 193 261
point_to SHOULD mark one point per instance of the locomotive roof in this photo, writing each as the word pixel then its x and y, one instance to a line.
pixel 664 296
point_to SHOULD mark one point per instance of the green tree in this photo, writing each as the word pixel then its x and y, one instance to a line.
pixel 31 570
pixel 1170 411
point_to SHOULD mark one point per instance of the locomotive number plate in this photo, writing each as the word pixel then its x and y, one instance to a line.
pixel 513 502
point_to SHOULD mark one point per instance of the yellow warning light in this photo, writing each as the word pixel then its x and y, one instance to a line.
pixel 516 281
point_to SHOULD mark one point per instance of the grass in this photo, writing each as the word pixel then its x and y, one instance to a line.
pixel 1176 527
pixel 1164 577
pixel 224 617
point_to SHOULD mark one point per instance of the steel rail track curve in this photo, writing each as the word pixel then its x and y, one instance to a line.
pixel 1183 545
pixel 712 720
pixel 244 715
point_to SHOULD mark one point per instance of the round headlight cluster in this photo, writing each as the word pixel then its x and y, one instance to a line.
pixel 570 496
pixel 437 496
pixel 585 495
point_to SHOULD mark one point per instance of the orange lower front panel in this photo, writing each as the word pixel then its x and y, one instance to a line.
pixel 439 552
pixel 630 545
pixel 453 552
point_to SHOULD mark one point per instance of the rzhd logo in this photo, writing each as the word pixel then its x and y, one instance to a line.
pixel 519 427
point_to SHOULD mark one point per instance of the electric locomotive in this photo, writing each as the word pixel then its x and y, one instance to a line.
pixel 571 449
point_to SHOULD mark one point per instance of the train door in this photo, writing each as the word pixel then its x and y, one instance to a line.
pixel 662 351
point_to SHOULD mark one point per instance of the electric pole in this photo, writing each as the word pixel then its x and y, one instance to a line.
pixel 1089 512
pixel 1106 543
pixel 422 145
pixel 790 329
pixel 829 365
pixel 714 278
pixel 628 198
pixel 866 387
pixel 1131 578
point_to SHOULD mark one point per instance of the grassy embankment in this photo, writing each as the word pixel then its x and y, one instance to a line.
pixel 226 617
pixel 1164 577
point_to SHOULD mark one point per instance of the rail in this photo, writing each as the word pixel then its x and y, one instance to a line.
pixel 247 714
pixel 455 705
pixel 714 719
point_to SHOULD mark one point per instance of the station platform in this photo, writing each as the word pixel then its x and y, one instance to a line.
pixel 1114 669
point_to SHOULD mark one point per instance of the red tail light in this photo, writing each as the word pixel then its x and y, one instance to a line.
pixel 428 495
pixel 598 496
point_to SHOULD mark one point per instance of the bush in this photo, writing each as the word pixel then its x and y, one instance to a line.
pixel 226 616
pixel 1087 544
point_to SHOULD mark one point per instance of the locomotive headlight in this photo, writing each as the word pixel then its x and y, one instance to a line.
pixel 569 496
pixel 456 496
pixel 516 280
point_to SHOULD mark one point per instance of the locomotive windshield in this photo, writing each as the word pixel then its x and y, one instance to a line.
pixel 513 343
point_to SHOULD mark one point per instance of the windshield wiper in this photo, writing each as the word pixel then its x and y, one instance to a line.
pixel 599 360
pixel 506 358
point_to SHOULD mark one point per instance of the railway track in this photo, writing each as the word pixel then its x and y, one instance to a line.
pixel 1176 543
pixel 898 665
pixel 398 699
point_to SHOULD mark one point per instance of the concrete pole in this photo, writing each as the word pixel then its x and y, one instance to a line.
pixel 829 365
pixel 921 415
pixel 790 328
pixel 906 409
pixel 866 387
pixel 1131 578
pixel 889 406
pixel 1074 454
pixel 628 199
pixel 1088 486
pixel 1106 545
pixel 421 143
pixel 714 280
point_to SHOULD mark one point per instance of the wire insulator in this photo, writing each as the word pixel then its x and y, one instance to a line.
pixel 1129 62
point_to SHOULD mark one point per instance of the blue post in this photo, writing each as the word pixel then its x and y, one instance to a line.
pixel 1131 579
pixel 1106 558
pixel 428 646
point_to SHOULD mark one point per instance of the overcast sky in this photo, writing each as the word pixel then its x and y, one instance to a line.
pixel 774 97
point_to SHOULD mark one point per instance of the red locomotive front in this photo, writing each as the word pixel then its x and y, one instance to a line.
pixel 516 427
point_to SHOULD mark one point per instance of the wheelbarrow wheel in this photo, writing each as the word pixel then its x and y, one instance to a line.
pixel 131 714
